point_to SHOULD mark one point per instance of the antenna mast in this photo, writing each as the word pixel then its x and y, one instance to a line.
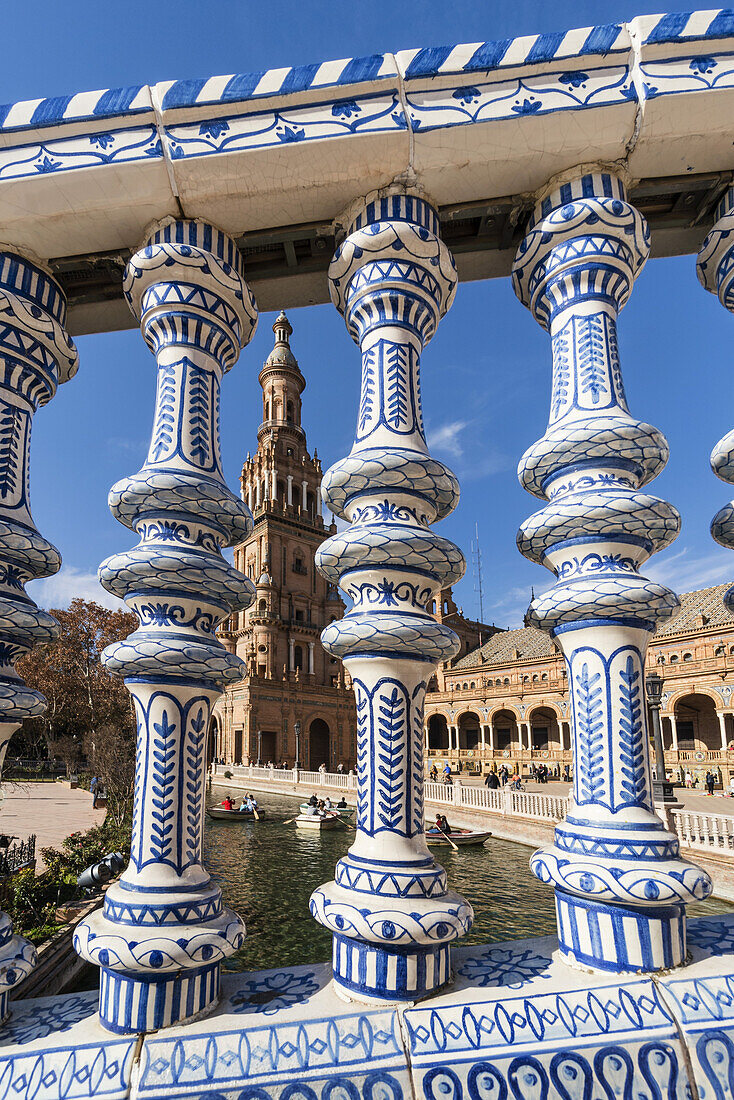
pixel 477 570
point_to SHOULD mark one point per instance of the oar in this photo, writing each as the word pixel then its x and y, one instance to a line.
pixel 454 846
pixel 346 824
pixel 255 814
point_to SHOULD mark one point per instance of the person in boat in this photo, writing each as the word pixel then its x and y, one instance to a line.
pixel 243 804
pixel 313 800
pixel 327 803
pixel 253 801
pixel 342 803
pixel 227 802
pixel 445 827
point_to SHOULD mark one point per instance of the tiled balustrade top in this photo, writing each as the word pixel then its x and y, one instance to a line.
pixel 516 1018
pixel 530 51
pixel 474 123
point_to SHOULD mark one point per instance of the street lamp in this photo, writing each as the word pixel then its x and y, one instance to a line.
pixel 259 745
pixel 662 790
pixel 297 731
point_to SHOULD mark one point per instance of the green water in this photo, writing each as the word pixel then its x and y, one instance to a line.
pixel 267 872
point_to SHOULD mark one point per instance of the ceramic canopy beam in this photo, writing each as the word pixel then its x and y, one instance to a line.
pixel 163 930
pixel 389 908
pixel 621 886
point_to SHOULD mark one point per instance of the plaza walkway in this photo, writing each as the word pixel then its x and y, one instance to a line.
pixel 50 810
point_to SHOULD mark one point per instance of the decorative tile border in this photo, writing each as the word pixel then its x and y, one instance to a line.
pixel 369 114
pixel 430 110
pixel 84 151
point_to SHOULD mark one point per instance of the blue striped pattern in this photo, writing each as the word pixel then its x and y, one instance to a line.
pixel 300 78
pixel 128 1005
pixel 361 967
pixel 108 103
pixel 411 64
pixel 620 939
pixel 689 26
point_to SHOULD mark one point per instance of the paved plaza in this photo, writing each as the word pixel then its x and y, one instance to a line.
pixel 50 810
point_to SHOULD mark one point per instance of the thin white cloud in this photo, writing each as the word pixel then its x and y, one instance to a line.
pixel 448 437
pixel 685 571
pixel 68 584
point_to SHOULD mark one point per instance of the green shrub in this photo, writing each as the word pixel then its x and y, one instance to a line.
pixel 32 900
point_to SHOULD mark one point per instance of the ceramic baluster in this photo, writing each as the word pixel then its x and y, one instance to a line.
pixel 716 273
pixel 36 355
pixel 389 907
pixel 163 931
pixel 621 885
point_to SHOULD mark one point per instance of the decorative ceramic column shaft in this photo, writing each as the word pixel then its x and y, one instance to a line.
pixel 716 273
pixel 163 931
pixel 389 908
pixel 35 356
pixel 621 886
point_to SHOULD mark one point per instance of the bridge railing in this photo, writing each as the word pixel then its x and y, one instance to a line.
pixel 705 831
pixel 708 832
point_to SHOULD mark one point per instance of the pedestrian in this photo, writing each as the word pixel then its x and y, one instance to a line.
pixel 710 783
pixel 689 778
pixel 94 791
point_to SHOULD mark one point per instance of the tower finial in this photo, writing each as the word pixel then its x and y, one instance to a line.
pixel 282 329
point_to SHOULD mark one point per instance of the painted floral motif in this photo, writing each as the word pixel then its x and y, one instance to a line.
pixel 37 1021
pixel 504 967
pixel 273 993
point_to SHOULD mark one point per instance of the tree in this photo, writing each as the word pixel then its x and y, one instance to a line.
pixel 82 696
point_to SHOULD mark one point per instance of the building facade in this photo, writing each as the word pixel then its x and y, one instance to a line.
pixel 290 678
pixel 508 702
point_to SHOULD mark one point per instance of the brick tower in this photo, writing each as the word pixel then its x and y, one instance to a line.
pixel 289 676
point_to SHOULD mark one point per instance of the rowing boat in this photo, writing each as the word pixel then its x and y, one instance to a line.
pixel 220 814
pixel 343 811
pixel 465 838
pixel 317 821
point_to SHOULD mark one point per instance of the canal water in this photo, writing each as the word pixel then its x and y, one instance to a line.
pixel 267 872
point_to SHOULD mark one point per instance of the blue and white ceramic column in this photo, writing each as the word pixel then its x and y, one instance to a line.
pixel 36 355
pixel 389 907
pixel 716 273
pixel 621 885
pixel 163 931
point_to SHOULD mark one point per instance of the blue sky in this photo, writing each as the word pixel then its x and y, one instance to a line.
pixel 486 375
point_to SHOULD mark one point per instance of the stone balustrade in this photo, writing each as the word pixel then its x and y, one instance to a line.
pixel 712 832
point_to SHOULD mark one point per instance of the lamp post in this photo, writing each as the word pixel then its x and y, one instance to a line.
pixel 662 790
pixel 259 746
pixel 297 731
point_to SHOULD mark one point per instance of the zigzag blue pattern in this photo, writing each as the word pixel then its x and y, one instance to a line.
pixel 631 735
pixel 162 784
pixel 166 424
pixel 199 412
pixel 590 725
pixel 396 384
pixel 369 387
pixel 390 759
pixel 194 772
pixel 363 744
pixel 591 350
pixel 561 369
pixel 10 425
